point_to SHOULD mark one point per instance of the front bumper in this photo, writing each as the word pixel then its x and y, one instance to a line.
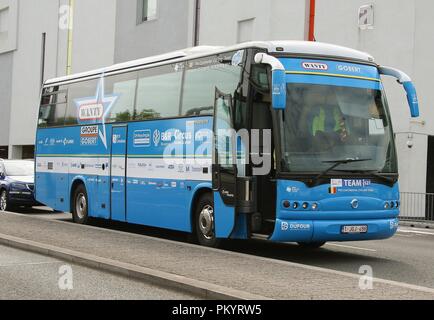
pixel 22 198
pixel 331 230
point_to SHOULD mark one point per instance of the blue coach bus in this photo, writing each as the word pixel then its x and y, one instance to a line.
pixel 282 141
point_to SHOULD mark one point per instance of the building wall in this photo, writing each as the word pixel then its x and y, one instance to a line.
pixel 5 96
pixel 35 18
pixel 93 34
pixel 171 30
pixel 399 39
pixel 229 22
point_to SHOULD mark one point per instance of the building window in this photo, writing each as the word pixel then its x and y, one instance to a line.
pixel 245 30
pixel 4 23
pixel 147 10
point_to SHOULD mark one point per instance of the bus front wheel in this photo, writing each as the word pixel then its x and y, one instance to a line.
pixel 80 205
pixel 205 222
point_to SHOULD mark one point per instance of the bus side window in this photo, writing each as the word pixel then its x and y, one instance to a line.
pixel 123 87
pixel 158 92
pixel 202 77
pixel 53 108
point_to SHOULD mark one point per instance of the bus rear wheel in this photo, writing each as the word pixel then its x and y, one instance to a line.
pixel 205 222
pixel 311 245
pixel 80 205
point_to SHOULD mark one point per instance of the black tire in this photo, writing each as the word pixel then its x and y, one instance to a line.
pixel 5 204
pixel 311 245
pixel 80 205
pixel 205 222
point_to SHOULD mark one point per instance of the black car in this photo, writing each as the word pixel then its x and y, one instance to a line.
pixel 17 184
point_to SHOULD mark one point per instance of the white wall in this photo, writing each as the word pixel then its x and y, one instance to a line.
pixel 35 17
pixel 273 20
pixel 402 38
pixel 171 30
pixel 93 34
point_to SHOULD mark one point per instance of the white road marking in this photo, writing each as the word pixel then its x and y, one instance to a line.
pixel 416 231
pixel 27 264
pixel 350 247
pixel 403 235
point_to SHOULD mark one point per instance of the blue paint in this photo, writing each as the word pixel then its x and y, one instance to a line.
pixel 334 73
pixel 118 181
pixel 279 90
pixel 412 99
pixel 334 211
pixel 224 218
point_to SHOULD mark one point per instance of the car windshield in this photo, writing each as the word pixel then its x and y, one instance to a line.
pixel 325 124
pixel 19 168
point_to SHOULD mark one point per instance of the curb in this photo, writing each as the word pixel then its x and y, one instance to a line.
pixel 417 224
pixel 198 288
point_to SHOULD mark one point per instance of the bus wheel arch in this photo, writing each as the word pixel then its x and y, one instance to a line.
pixel 79 202
pixel 203 210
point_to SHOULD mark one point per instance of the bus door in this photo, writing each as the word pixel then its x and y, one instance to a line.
pixel 118 173
pixel 224 168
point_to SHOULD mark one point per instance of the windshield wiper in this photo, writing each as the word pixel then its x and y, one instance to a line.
pixel 337 163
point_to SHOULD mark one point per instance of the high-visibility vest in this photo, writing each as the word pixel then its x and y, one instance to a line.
pixel 319 121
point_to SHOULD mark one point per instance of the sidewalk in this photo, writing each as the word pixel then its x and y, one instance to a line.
pixel 257 276
pixel 417 224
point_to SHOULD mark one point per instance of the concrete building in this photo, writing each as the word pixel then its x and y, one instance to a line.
pixel 103 32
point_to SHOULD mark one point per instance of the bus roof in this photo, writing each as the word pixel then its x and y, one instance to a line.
pixel 278 47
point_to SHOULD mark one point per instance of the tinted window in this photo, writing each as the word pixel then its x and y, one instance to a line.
pixel 202 77
pixel 53 107
pixel 123 87
pixel 76 92
pixel 158 94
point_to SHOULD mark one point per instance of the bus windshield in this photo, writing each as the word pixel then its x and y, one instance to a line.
pixel 323 124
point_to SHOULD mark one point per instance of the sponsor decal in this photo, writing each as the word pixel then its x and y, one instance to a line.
pixel 237 59
pixel 292 190
pixel 142 138
pixel 299 226
pixel 157 137
pixel 92 110
pixel 117 139
pixel 394 225
pixel 89 136
pixel 349 69
pixel 285 226
pixel 350 185
pixel 315 66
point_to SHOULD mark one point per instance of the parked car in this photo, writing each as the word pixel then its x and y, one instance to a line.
pixel 17 184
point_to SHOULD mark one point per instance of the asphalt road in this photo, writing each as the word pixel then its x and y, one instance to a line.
pixel 408 257
pixel 28 276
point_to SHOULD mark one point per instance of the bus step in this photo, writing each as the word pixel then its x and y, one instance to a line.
pixel 258 236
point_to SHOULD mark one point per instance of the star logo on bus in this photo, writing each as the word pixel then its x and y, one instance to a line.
pixel 92 110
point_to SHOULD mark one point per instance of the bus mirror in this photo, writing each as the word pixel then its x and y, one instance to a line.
pixel 412 98
pixel 278 86
pixel 405 80
pixel 279 89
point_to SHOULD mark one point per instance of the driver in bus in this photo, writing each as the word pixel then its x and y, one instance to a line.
pixel 327 123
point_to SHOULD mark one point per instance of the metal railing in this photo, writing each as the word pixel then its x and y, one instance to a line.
pixel 417 206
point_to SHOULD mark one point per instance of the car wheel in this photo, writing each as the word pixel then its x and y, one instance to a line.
pixel 80 205
pixel 4 201
pixel 311 245
pixel 205 222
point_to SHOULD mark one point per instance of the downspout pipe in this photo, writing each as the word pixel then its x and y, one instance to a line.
pixel 312 10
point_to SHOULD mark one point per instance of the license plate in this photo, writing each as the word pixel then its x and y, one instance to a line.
pixel 354 229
